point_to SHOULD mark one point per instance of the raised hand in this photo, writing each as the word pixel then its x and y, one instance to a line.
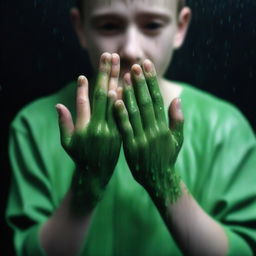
pixel 151 147
pixel 93 142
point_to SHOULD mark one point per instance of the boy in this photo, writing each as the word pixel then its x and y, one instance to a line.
pixel 95 197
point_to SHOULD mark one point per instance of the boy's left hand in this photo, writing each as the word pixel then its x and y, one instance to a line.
pixel 151 147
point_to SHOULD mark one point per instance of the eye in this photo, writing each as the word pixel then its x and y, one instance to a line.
pixel 109 28
pixel 153 26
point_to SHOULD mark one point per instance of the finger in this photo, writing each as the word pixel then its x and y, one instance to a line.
pixel 119 92
pixel 113 83
pixel 154 90
pixel 142 96
pixel 112 97
pixel 101 88
pixel 66 125
pixel 123 122
pixel 115 69
pixel 176 120
pixel 131 106
pixel 83 111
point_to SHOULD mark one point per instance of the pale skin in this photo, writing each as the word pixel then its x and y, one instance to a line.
pixel 195 232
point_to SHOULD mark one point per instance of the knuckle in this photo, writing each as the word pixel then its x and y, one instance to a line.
pixel 114 71
pixel 82 100
pixel 113 83
pixel 152 133
pixel 162 127
pixel 145 103
pixel 98 130
pixel 165 134
pixel 100 94
pixel 104 68
pixel 133 111
pixel 127 127
pixel 157 98
pixel 142 142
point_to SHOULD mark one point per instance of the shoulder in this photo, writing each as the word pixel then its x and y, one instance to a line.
pixel 210 117
pixel 204 106
pixel 41 112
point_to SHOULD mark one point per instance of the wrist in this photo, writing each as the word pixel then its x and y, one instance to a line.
pixel 86 190
pixel 167 190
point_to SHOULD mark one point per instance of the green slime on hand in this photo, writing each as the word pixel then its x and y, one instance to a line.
pixel 150 147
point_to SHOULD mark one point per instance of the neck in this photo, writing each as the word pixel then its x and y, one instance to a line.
pixel 169 90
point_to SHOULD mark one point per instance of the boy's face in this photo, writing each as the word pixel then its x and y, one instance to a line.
pixel 135 29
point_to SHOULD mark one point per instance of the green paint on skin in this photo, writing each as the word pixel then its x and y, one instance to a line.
pixel 165 188
pixel 141 89
pixel 87 192
pixel 102 80
pixel 156 96
pixel 100 135
pixel 144 102
pixel 152 158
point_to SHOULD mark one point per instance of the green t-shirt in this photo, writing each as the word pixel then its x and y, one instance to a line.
pixel 217 163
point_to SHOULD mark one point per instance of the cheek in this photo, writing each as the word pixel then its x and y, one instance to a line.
pixel 166 57
pixel 160 52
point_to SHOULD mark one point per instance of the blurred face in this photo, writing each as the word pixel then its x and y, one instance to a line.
pixel 135 29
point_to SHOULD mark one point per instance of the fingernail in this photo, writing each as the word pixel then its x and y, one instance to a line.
pixel 105 63
pixel 148 66
pixel 119 103
pixel 105 56
pixel 80 80
pixel 58 108
pixel 127 78
pixel 136 69
pixel 115 59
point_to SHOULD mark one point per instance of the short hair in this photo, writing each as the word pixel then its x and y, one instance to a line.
pixel 80 4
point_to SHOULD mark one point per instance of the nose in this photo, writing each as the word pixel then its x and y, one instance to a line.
pixel 131 50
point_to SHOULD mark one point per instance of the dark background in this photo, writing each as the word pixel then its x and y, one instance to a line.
pixel 39 53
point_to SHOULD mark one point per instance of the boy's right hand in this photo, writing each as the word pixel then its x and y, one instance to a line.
pixel 93 142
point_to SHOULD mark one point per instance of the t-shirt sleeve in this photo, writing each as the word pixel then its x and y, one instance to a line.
pixel 29 204
pixel 233 182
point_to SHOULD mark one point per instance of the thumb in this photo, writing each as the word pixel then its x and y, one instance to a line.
pixel 66 124
pixel 176 120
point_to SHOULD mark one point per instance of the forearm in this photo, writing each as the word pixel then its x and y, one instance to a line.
pixel 195 232
pixel 64 232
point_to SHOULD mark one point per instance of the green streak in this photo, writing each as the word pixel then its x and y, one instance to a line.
pixel 165 189
pixel 87 192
